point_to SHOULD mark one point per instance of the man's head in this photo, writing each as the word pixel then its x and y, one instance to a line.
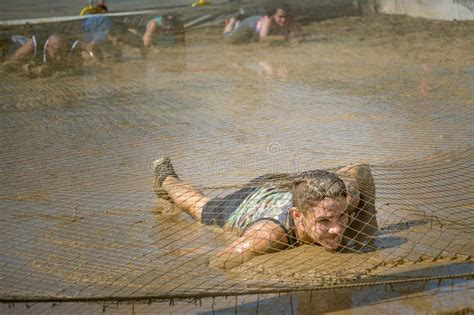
pixel 319 205
pixel 60 53
pixel 279 15
pixel 56 50
pixel 170 22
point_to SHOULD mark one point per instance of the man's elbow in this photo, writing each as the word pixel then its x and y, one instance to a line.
pixel 226 263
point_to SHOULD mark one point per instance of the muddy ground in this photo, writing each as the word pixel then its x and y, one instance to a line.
pixel 80 219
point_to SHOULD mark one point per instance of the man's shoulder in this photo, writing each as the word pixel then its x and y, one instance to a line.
pixel 267 226
pixel 158 20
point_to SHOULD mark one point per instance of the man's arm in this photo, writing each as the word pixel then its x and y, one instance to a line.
pixel 24 51
pixel 293 28
pixel 362 228
pixel 349 175
pixel 262 237
pixel 296 30
pixel 265 29
pixel 151 28
pixel 266 37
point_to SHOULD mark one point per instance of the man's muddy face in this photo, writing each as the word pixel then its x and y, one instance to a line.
pixel 326 223
pixel 280 17
pixel 56 50
pixel 169 23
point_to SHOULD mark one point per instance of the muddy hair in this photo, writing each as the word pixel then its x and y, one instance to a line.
pixel 309 188
pixel 273 10
pixel 171 19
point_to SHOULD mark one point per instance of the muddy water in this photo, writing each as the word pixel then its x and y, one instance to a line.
pixel 78 215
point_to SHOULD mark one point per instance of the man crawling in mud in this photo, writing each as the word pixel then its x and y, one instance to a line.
pixel 41 55
pixel 279 211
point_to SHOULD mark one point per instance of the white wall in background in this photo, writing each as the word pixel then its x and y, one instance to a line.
pixel 431 9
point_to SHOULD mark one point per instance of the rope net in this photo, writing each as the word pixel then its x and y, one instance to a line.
pixel 370 99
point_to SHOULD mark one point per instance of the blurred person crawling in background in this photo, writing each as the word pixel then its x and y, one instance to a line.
pixel 164 31
pixel 100 8
pixel 335 210
pixel 275 27
pixel 42 54
pixel 104 39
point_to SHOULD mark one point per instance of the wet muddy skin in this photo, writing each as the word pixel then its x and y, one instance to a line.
pixel 79 217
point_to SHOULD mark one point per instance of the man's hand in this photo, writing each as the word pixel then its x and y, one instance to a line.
pixel 361 196
pixel 262 237
pixel 349 174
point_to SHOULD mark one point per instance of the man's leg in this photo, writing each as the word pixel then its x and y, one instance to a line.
pixel 168 184
pixel 243 32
